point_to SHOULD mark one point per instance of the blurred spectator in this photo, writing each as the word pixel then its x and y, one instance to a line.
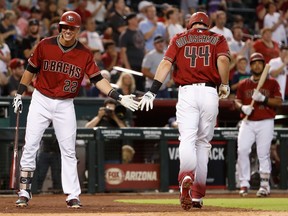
pixel 240 73
pixel 37 14
pixel 162 12
pixel 16 66
pixel 238 47
pixel 126 84
pixel 117 21
pixel 98 11
pixel 9 33
pixel 3 82
pixel 90 37
pixel 172 122
pixel 238 20
pixel 260 12
pixel 150 27
pixel 213 6
pixel 127 154
pixel 82 11
pixel 149 66
pixel 98 58
pixel 142 8
pixel 279 69
pixel 132 44
pixel 30 42
pixel 173 25
pixel 62 6
pixel 220 28
pixel 5 56
pixel 276 22
pixel 189 6
pixel 282 6
pixel 51 14
pixel 53 30
pixel 111 56
pixel 266 46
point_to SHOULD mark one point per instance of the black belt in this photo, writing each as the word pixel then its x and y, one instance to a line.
pixel 208 84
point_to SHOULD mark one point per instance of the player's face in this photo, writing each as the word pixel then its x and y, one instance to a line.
pixel 69 34
pixel 257 67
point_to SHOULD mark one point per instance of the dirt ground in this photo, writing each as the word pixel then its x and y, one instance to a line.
pixel 104 205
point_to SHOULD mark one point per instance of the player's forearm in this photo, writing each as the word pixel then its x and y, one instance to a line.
pixel 163 70
pixel 223 68
pixel 26 79
pixel 104 86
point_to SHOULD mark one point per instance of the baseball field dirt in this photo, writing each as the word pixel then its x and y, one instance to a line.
pixel 105 205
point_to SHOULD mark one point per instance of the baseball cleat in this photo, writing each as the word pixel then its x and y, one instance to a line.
pixel 197 203
pixel 243 191
pixel 263 192
pixel 22 202
pixel 185 193
pixel 73 203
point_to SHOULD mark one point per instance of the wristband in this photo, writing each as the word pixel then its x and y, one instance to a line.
pixel 155 86
pixel 266 100
pixel 114 94
pixel 21 89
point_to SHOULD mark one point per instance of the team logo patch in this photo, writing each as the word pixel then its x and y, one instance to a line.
pixel 70 19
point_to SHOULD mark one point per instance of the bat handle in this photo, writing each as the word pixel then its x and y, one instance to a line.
pixel 251 104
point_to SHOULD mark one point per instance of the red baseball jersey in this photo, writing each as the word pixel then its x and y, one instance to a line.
pixel 194 54
pixel 261 111
pixel 267 52
pixel 61 71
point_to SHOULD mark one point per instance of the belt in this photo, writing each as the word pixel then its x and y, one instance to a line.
pixel 208 84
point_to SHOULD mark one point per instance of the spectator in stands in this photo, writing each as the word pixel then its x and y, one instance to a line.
pixel 53 30
pixel 98 11
pixel 238 20
pixel 266 46
pixel 82 11
pixel 132 44
pixel 37 14
pixel 5 56
pixel 117 21
pixel 62 6
pixel 260 12
pixel 110 57
pixel 126 84
pixel 112 117
pixel 149 66
pixel 150 27
pixel 51 14
pixel 240 73
pixel 279 69
pixel 189 6
pixel 173 25
pixel 276 22
pixel 30 42
pixel 142 8
pixel 238 47
pixel 3 82
pixel 16 66
pixel 90 37
pixel 9 33
pixel 219 28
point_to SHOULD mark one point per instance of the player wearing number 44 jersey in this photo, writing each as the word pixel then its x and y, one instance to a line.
pixel 59 64
pixel 201 63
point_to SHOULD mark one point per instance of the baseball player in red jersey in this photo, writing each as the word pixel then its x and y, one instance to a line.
pixel 59 64
pixel 201 62
pixel 259 126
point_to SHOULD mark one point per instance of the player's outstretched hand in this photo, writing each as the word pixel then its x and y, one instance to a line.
pixel 147 100
pixel 17 103
pixel 258 96
pixel 224 91
pixel 129 102
pixel 247 109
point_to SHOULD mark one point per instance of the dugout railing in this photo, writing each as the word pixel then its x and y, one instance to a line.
pixel 95 145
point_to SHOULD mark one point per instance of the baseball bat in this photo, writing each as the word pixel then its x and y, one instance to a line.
pixel 13 184
pixel 127 70
pixel 260 83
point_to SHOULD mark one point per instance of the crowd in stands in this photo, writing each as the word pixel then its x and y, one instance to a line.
pixel 134 35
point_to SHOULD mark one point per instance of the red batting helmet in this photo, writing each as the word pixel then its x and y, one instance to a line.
pixel 198 17
pixel 257 57
pixel 70 18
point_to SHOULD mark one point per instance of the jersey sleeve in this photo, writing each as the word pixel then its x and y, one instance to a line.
pixel 222 47
pixel 171 51
pixel 35 58
pixel 92 69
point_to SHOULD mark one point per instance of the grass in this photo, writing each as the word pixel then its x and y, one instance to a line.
pixel 270 204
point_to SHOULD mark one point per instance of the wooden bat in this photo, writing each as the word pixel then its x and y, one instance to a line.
pixel 127 71
pixel 260 83
pixel 13 184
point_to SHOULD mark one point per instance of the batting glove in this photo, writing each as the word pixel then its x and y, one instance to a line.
pixel 247 109
pixel 147 100
pixel 258 96
pixel 224 91
pixel 129 102
pixel 17 103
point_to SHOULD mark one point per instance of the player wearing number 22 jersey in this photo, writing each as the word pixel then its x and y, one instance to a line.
pixel 201 62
